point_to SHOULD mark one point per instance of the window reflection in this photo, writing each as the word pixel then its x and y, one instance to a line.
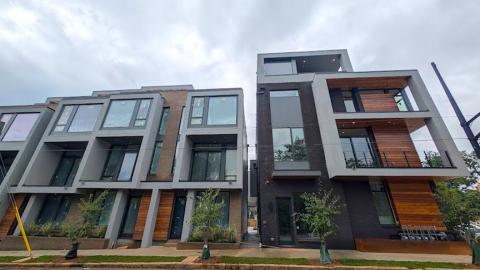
pixel 21 126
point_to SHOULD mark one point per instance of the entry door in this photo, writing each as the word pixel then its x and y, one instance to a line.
pixel 177 218
pixel 284 221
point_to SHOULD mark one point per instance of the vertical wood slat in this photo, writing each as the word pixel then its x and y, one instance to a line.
pixel 9 219
pixel 142 215
pixel 414 203
pixel 162 224
pixel 378 101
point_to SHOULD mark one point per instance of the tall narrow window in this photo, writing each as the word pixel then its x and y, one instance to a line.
pixel 106 208
pixel 159 141
pixel 358 148
pixel 20 128
pixel 130 217
pixel 382 203
pixel 142 114
pixel 197 110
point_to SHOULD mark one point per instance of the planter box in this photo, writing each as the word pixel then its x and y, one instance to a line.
pixel 52 243
pixel 412 246
pixel 199 245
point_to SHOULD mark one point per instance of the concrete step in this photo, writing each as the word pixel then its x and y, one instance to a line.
pixel 171 243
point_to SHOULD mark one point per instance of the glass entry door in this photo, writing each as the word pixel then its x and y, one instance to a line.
pixel 284 221
pixel 177 217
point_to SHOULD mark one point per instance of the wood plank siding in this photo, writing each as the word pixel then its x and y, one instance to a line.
pixel 368 83
pixel 9 219
pixel 414 203
pixel 395 146
pixel 162 224
pixel 378 101
pixel 142 215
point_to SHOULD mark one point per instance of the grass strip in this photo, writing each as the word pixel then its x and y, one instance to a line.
pixel 7 259
pixel 262 260
pixel 42 259
pixel 408 264
pixel 129 259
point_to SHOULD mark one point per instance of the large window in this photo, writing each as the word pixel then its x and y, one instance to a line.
pixel 289 144
pixel 130 217
pixel 127 113
pixel 358 149
pixel 214 163
pixel 54 210
pixel 159 141
pixel 223 197
pixel 77 118
pixel 120 163
pixel 18 126
pixel 214 111
pixel 382 203
pixel 66 169
pixel 278 67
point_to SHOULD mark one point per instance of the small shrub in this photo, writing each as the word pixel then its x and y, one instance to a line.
pixel 218 234
pixel 47 229
pixel 32 229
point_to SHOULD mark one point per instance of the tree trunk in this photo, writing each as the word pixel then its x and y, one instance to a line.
pixel 324 255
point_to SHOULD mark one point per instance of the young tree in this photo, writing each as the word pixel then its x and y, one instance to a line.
pixel 319 214
pixel 206 216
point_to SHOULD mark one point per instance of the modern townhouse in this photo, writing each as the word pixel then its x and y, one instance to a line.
pixel 322 126
pixel 151 148
pixel 21 128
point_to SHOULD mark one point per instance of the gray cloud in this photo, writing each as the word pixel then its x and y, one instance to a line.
pixel 61 48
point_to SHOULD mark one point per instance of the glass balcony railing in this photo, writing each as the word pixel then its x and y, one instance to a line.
pixel 396 159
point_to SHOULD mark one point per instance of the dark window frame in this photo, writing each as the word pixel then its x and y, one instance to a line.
pixel 65 155
pixel 121 234
pixel 206 103
pixel 222 149
pixel 124 150
pixel 8 125
pixel 65 200
pixel 390 204
pixel 67 125
pixel 134 116
pixel 291 143
pixel 371 147
pixel 164 119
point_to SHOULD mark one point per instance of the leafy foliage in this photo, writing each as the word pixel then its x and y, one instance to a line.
pixel 206 218
pixel 319 213
pixel 292 152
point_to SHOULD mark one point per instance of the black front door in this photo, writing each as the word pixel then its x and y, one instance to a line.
pixel 284 221
pixel 177 218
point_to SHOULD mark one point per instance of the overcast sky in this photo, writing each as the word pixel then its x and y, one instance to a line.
pixel 62 48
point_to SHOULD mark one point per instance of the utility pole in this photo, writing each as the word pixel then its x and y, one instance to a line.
pixel 463 122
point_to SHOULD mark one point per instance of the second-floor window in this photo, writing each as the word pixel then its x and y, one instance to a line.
pixel 358 148
pixel 16 127
pixel 120 163
pixel 127 113
pixel 289 144
pixel 66 169
pixel 214 162
pixel 213 111
pixel 77 118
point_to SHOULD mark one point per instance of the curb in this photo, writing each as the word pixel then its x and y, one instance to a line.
pixel 181 265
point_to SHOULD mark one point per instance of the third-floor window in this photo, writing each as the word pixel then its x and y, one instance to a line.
pixel 213 111
pixel 77 118
pixel 16 127
pixel 127 113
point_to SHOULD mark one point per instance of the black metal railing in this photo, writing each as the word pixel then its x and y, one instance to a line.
pixel 396 159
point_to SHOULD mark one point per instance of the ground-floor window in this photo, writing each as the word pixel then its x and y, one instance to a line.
pixel 223 196
pixel 284 221
pixel 303 233
pixel 54 209
pixel 382 203
pixel 130 217
pixel 104 216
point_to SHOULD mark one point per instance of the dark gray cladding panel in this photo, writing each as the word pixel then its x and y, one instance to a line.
pixel 286 112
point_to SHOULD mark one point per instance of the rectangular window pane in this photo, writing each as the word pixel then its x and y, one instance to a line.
pixel 107 208
pixel 231 164
pixel 63 119
pixel 213 166
pixel 85 118
pixel 224 214
pixel 283 93
pixel 164 121
pixel 278 68
pixel 197 110
pixel 382 203
pixel 156 157
pixel 298 149
pixel 222 111
pixel 54 209
pixel 21 126
pixel 120 113
pixel 363 151
pixel 114 158
pixel 143 108
pixel 130 219
pixel 348 152
pixel 281 141
pixel 63 171
pixel 128 164
pixel 4 120
pixel 401 103
pixel 199 166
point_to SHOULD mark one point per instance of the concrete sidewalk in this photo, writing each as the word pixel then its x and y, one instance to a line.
pixel 256 252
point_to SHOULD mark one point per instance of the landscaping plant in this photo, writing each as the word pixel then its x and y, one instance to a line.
pixel 206 216
pixel 319 214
